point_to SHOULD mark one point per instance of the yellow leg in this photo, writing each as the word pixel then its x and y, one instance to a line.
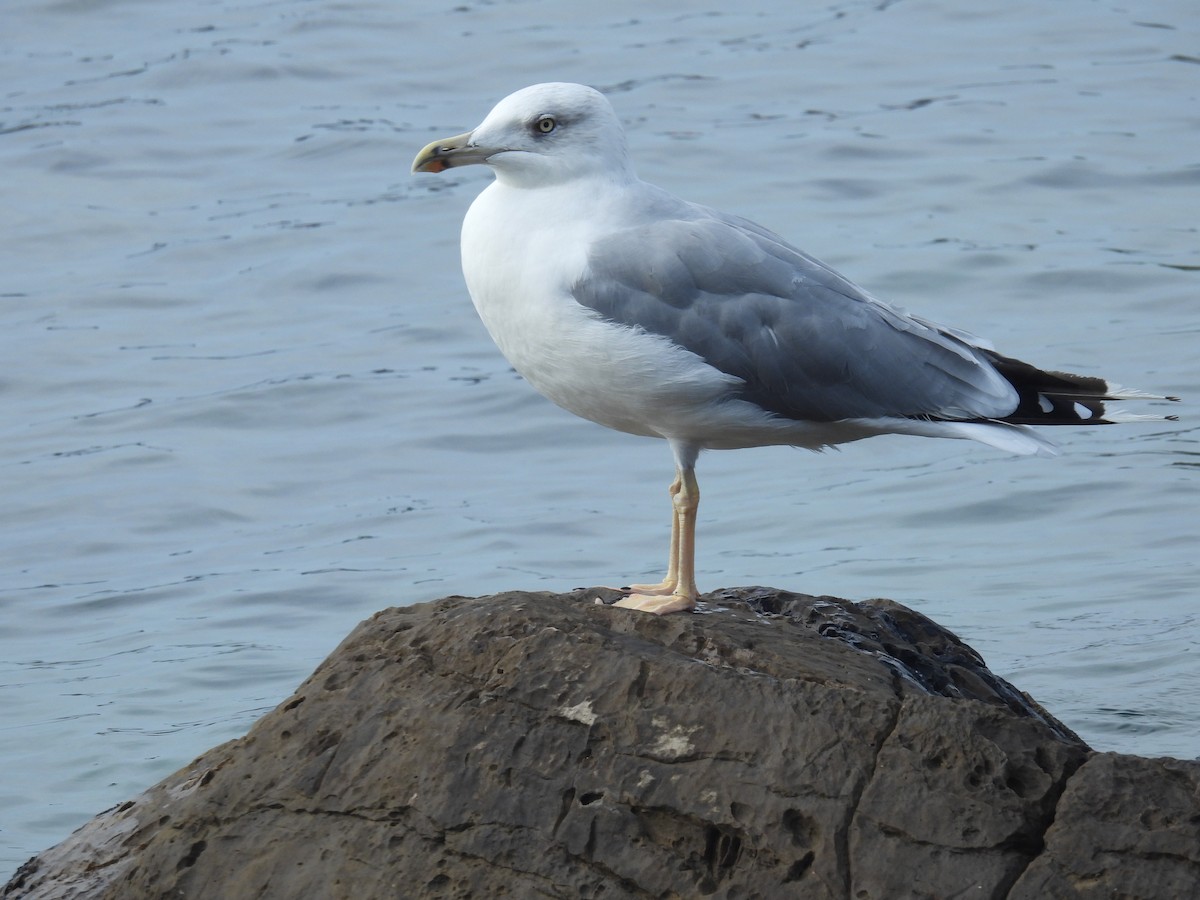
pixel 668 584
pixel 677 592
pixel 687 502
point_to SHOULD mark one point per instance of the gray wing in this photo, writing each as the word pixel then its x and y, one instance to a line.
pixel 807 343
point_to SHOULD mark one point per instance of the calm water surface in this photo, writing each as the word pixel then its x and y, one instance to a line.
pixel 246 401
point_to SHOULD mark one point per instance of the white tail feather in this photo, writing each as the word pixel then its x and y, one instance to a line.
pixel 1019 439
pixel 1120 392
pixel 1117 416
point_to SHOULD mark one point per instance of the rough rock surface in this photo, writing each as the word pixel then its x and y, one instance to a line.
pixel 537 745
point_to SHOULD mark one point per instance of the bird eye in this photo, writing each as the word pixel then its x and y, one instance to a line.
pixel 545 124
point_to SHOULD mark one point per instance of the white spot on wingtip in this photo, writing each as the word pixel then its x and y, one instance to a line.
pixel 1082 411
pixel 1045 404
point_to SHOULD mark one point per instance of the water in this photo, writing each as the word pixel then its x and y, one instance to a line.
pixel 246 401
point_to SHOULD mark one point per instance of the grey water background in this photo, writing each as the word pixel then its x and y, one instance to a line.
pixel 245 401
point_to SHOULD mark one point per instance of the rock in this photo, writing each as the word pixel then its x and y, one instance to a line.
pixel 1126 827
pixel 538 745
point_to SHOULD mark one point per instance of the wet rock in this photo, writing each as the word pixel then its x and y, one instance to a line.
pixel 537 745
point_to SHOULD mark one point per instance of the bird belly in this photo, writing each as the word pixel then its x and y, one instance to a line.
pixel 620 377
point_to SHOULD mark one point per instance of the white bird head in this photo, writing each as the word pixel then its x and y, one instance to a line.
pixel 541 135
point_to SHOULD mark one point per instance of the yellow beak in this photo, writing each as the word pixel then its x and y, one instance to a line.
pixel 449 152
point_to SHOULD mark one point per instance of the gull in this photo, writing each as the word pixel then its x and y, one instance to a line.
pixel 655 316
